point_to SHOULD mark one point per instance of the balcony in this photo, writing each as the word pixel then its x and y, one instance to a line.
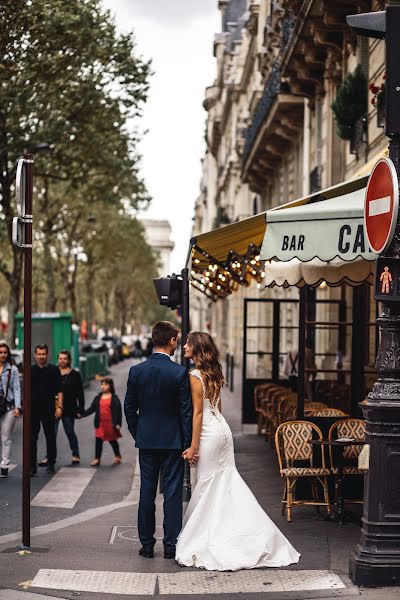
pixel 277 119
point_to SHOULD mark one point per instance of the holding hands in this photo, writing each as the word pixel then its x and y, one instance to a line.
pixel 191 455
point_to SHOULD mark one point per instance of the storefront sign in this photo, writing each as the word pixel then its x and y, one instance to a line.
pixel 326 230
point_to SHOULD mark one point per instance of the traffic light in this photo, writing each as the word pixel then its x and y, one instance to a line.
pixel 169 291
pixel 385 24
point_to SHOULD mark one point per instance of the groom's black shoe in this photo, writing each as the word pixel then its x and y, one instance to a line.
pixel 147 551
pixel 169 553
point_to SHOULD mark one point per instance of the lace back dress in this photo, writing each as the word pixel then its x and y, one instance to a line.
pixel 224 527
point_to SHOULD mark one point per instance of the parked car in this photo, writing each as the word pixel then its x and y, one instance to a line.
pixel 116 344
pixel 128 345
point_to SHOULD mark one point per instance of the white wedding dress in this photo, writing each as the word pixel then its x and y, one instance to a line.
pixel 224 527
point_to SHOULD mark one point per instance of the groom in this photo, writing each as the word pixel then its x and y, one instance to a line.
pixel 158 410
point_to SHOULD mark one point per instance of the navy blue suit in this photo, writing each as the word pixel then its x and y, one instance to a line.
pixel 158 411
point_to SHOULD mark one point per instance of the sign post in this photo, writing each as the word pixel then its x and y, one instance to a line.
pixel 22 238
pixel 375 561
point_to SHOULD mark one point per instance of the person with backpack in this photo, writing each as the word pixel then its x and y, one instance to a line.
pixel 10 405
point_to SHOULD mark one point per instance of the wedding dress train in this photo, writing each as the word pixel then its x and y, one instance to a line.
pixel 224 527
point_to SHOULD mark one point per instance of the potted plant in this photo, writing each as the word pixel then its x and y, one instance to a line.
pixel 350 103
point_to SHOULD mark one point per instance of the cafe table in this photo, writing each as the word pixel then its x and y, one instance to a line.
pixel 339 514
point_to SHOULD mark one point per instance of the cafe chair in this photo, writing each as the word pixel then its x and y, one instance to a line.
pixel 292 446
pixel 309 406
pixel 327 412
pixel 347 428
pixel 270 409
pixel 260 393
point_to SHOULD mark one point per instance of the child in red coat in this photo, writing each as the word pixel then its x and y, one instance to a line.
pixel 107 420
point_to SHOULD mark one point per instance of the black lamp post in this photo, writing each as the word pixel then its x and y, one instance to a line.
pixel 376 559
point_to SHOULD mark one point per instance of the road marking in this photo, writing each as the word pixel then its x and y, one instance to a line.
pixel 87 515
pixel 380 206
pixel 103 582
pixel 190 582
pixel 64 489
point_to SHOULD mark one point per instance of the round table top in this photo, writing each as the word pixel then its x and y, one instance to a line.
pixel 347 442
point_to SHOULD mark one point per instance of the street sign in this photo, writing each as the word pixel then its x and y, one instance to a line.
pixel 20 186
pixel 381 205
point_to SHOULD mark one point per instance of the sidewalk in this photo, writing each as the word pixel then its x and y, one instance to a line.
pixel 107 545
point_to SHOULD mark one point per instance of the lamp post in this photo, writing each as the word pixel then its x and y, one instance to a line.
pixel 376 559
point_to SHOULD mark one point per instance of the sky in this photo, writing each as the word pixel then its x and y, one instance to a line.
pixel 178 36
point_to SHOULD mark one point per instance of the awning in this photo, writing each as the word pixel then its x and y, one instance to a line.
pixel 316 272
pixel 325 226
pixel 224 258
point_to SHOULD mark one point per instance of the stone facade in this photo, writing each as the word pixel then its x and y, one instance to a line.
pixel 158 236
pixel 272 138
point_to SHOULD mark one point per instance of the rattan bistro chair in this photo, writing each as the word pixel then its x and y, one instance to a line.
pixel 292 446
pixel 327 412
pixel 309 406
pixel 260 393
pixel 347 428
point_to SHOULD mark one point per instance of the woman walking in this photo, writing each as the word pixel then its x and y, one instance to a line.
pixel 10 405
pixel 107 420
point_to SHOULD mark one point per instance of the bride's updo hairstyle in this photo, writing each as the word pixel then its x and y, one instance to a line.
pixel 206 360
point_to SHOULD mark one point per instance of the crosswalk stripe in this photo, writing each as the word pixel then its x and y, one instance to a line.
pixel 190 582
pixel 64 489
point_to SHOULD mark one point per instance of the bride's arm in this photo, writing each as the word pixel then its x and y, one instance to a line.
pixel 197 400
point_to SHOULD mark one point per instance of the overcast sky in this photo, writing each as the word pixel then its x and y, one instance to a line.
pixel 178 36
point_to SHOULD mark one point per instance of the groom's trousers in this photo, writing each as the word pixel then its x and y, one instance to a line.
pixel 171 465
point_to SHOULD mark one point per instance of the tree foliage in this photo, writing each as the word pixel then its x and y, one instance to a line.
pixel 69 82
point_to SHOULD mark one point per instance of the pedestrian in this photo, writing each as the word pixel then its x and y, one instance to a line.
pixel 74 402
pixel 10 405
pixel 47 406
pixel 158 411
pixel 107 410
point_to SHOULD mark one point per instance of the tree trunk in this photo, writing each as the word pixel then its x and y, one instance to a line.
pixel 51 300
pixel 14 296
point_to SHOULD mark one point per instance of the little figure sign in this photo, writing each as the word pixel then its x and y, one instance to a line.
pixel 387 279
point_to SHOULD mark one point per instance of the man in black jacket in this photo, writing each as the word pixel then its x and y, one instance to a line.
pixel 158 410
pixel 46 393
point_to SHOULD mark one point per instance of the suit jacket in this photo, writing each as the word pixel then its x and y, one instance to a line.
pixel 158 404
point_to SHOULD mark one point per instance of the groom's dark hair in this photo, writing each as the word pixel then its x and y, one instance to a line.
pixel 162 333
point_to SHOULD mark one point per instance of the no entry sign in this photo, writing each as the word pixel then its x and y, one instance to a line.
pixel 381 205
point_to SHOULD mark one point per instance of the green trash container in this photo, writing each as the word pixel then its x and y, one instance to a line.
pixel 53 329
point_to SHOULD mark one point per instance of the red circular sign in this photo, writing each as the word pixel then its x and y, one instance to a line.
pixel 381 205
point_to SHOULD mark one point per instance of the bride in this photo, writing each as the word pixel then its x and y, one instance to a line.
pixel 224 527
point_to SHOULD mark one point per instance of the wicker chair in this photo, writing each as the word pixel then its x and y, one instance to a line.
pixel 309 406
pixel 350 428
pixel 292 445
pixel 260 393
pixel 269 409
pixel 326 412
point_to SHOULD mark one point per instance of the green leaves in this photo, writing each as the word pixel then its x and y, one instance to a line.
pixel 351 102
pixel 69 80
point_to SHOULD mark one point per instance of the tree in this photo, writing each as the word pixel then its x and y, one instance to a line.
pixel 68 79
